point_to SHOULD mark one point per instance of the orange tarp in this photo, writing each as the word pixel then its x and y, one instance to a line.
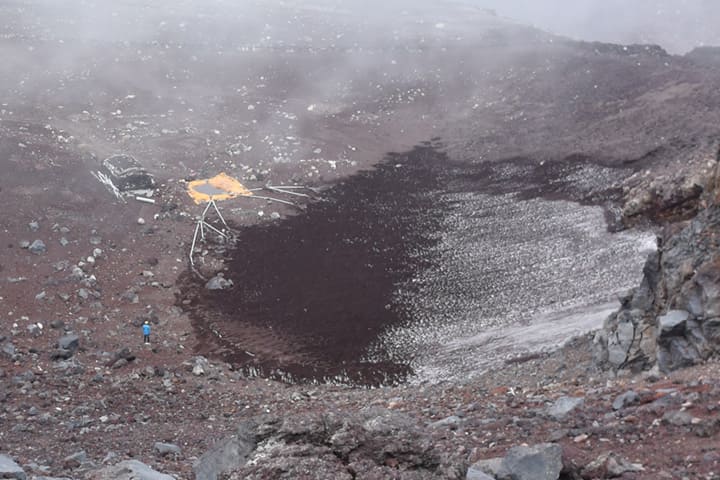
pixel 219 187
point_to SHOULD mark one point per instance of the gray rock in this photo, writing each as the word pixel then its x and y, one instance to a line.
pixel 61 354
pixel 37 247
pixel 34 226
pixel 563 406
pixel 677 417
pixel 628 398
pixel 488 467
pixel 451 422
pixel 8 350
pixel 34 329
pixel 77 274
pixel 616 466
pixel 619 343
pixel 121 362
pixel 69 342
pixel 610 465
pixel 64 242
pixel 24 244
pixel 218 282
pixel 475 474
pixel 75 460
pixel 228 454
pixel 164 449
pixel 672 323
pixel 10 469
pixel 538 462
pixel 129 470
pixel 676 352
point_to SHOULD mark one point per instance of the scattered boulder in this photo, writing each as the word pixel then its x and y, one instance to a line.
pixel 474 474
pixel 129 470
pixel 610 465
pixel 628 398
pixel 66 345
pixel 8 350
pixel 121 358
pixel 538 462
pixel 677 417
pixel 37 247
pixel 164 449
pixel 218 282
pixel 452 422
pixel 488 467
pixel 563 406
pixel 10 469
pixel 69 342
pixel 75 460
pixel 57 324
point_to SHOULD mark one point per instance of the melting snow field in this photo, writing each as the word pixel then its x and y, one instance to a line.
pixel 513 276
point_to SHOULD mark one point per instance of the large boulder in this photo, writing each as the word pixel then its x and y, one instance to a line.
pixel 374 441
pixel 10 469
pixel 218 282
pixel 484 469
pixel 37 247
pixel 563 406
pixel 69 342
pixel 229 454
pixel 129 470
pixel 538 462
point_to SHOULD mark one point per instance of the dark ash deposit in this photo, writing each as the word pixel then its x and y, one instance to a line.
pixel 421 267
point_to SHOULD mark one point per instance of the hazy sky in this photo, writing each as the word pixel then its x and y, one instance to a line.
pixel 677 25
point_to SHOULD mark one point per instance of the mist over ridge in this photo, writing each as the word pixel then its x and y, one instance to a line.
pixel 676 25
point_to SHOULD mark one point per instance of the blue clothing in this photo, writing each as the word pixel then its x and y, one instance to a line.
pixel 146 329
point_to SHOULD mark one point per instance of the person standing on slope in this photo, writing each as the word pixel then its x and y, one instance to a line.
pixel 146 332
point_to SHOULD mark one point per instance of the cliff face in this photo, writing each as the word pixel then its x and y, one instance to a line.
pixel 672 319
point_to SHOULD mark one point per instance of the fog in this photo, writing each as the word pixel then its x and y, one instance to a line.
pixel 676 25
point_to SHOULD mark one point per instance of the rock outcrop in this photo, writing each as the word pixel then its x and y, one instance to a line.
pixel 672 319
pixel 375 442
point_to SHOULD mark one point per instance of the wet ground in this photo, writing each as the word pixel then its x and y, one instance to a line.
pixel 421 267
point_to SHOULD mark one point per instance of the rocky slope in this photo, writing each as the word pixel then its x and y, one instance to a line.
pixel 312 94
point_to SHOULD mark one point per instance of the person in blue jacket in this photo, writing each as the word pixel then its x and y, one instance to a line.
pixel 146 332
